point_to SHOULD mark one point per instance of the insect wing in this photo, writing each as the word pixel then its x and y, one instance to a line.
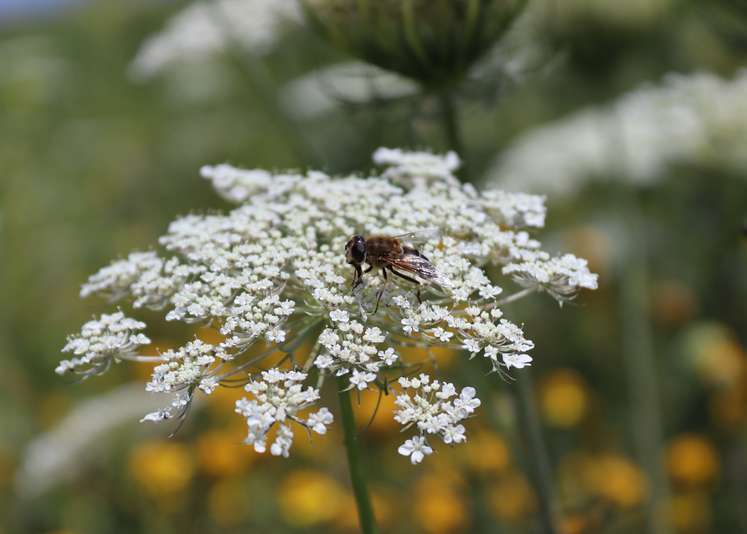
pixel 420 236
pixel 419 266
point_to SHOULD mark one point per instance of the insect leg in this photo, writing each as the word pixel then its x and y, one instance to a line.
pixel 370 267
pixel 409 279
pixel 358 276
pixel 380 292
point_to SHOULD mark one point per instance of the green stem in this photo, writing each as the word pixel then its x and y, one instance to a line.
pixel 539 470
pixel 638 354
pixel 450 122
pixel 355 461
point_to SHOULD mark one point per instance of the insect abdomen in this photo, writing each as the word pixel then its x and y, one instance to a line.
pixel 381 246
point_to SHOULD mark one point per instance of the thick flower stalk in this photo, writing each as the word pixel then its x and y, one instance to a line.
pixel 271 274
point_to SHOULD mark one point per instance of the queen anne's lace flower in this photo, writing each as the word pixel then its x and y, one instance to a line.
pixel 278 398
pixel 272 272
pixel 102 341
pixel 433 408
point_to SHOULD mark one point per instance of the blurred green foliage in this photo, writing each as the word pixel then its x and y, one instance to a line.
pixel 95 164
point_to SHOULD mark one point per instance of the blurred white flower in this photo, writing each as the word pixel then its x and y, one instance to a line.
pixel 202 29
pixel 58 454
pixel 330 88
pixel 271 274
pixel 688 118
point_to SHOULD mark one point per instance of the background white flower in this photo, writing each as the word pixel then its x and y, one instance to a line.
pixel 687 118
pixel 205 28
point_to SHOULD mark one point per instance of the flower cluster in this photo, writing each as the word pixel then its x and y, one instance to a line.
pixel 101 342
pixel 688 118
pixel 434 408
pixel 205 28
pixel 278 398
pixel 271 274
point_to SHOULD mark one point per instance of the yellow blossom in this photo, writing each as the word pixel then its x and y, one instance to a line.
pixel 486 452
pixel 564 400
pixel 692 460
pixel 221 453
pixel 307 498
pixel 620 481
pixel 690 512
pixel 439 506
pixel 715 354
pixel 161 468
pixel 511 498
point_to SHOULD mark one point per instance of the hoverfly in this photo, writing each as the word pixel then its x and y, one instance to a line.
pixel 390 253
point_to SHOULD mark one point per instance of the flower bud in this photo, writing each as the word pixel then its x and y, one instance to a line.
pixel 431 41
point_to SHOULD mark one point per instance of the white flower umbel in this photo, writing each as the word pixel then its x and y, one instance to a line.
pixel 205 28
pixel 345 84
pixel 696 118
pixel 271 276
pixel 433 408
pixel 101 342
pixel 278 398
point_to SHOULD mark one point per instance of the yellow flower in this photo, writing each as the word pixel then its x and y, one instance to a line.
pixel 564 400
pixel 307 498
pixel 438 505
pixel 690 512
pixel 228 502
pixel 609 476
pixel 161 468
pixel 221 453
pixel 692 460
pixel 486 452
pixel 716 354
pixel 620 481
pixel 510 498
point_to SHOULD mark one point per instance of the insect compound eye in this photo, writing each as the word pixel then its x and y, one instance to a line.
pixel 355 250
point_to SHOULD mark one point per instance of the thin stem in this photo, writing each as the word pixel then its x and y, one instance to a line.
pixel 538 465
pixel 640 365
pixel 450 122
pixel 514 297
pixel 141 359
pixel 355 461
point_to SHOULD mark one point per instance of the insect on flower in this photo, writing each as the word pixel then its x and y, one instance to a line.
pixel 390 253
